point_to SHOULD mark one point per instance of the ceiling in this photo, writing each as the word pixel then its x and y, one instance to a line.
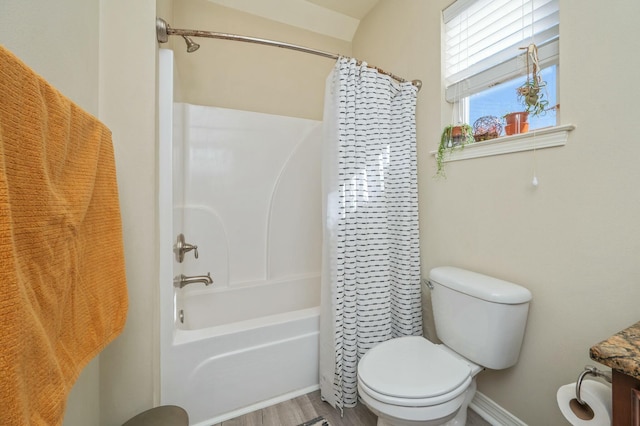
pixel 355 8
pixel 335 18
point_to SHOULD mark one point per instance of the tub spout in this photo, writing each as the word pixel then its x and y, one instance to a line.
pixel 183 280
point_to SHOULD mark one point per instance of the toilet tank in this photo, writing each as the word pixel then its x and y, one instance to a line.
pixel 479 317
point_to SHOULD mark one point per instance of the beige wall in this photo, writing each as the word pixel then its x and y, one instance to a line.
pixel 60 46
pixel 129 367
pixel 101 54
pixel 573 241
pixel 248 76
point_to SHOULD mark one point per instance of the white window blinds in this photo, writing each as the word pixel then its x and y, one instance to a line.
pixel 483 37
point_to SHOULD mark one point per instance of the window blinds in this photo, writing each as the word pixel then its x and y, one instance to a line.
pixel 483 37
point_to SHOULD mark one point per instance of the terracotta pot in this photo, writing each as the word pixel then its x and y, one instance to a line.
pixel 457 135
pixel 516 123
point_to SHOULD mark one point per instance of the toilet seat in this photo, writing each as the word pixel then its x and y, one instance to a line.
pixel 413 372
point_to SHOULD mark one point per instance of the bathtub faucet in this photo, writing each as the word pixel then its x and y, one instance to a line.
pixel 183 280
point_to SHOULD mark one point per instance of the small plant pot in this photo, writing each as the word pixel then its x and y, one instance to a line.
pixel 457 135
pixel 452 137
pixel 517 122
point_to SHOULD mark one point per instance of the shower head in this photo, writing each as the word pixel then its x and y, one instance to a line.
pixel 191 45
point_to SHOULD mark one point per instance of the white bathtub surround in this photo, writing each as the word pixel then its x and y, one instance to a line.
pixel 371 266
pixel 250 194
pixel 245 188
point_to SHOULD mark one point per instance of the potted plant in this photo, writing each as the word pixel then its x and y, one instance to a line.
pixel 453 137
pixel 487 127
pixel 516 122
pixel 531 92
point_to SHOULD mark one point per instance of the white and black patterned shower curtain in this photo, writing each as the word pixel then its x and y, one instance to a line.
pixel 371 266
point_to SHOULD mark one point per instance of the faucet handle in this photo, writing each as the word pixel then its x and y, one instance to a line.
pixel 189 247
pixel 181 247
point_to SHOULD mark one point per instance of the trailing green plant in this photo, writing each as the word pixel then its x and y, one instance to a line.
pixel 450 142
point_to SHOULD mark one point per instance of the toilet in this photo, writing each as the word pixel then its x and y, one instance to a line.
pixel 410 381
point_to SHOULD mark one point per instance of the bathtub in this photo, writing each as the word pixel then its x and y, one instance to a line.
pixel 250 340
pixel 225 366
pixel 221 309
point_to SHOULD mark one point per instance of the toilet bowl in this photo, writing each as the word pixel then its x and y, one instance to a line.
pixel 410 381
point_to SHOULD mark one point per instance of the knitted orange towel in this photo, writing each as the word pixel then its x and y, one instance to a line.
pixel 63 294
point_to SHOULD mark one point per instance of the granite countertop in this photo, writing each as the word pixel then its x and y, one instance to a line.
pixel 621 351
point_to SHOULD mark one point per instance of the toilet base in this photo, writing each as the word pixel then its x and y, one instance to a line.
pixel 401 422
pixel 457 419
pixel 461 418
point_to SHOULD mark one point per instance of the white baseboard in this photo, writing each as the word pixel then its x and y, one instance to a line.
pixel 492 412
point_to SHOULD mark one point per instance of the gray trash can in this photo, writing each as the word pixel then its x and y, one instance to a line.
pixel 165 415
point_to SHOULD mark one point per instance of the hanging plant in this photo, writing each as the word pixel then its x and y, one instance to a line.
pixel 453 137
pixel 532 93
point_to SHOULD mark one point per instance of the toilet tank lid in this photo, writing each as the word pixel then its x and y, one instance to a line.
pixel 480 286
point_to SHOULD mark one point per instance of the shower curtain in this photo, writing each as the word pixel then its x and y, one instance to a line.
pixel 371 265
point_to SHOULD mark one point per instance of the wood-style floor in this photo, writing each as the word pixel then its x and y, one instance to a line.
pixel 306 407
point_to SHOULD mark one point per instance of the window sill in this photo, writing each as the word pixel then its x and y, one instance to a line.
pixel 537 139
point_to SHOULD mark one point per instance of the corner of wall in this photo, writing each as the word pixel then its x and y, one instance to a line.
pixel 129 366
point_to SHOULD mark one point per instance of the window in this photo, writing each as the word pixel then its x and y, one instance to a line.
pixel 501 99
pixel 483 61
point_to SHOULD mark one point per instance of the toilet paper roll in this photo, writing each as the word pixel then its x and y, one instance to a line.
pixel 598 398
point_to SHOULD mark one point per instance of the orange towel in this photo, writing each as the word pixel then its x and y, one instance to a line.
pixel 62 280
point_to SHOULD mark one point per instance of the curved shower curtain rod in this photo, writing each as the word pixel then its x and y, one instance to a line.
pixel 163 31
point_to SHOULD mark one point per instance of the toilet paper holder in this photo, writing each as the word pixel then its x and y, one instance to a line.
pixel 589 369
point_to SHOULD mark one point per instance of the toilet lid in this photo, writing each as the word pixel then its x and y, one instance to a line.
pixel 412 367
